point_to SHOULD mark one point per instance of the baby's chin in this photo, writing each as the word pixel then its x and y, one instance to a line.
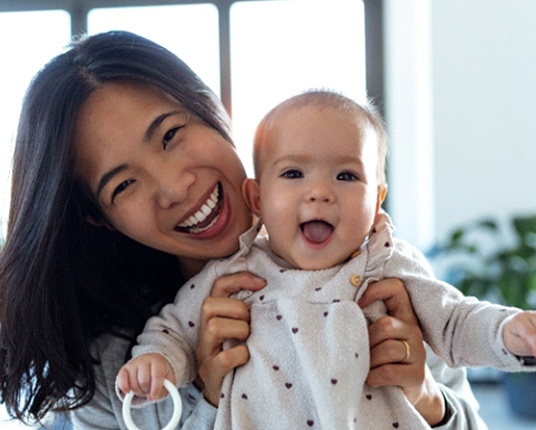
pixel 318 262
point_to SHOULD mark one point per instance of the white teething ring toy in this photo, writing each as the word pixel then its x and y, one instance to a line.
pixel 176 412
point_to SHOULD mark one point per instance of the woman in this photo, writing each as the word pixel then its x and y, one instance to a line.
pixel 125 182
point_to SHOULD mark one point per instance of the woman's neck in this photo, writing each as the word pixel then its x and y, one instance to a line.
pixel 191 266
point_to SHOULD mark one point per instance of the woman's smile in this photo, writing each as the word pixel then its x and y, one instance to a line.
pixel 205 217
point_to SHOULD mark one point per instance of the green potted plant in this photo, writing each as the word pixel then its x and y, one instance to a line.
pixel 497 262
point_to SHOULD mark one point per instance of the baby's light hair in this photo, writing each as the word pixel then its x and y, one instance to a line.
pixel 331 99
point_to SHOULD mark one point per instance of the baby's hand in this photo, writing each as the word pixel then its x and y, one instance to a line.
pixel 145 376
pixel 519 334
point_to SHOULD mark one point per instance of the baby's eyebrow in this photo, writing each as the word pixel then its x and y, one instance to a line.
pixel 292 158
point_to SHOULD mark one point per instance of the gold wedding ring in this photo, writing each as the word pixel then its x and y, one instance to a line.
pixel 408 351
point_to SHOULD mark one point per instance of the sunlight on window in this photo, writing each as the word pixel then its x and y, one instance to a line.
pixel 29 40
pixel 281 48
pixel 190 31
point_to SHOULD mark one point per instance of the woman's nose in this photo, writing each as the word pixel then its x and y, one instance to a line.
pixel 170 190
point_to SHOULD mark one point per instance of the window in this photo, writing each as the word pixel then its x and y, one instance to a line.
pixel 252 53
pixel 281 48
pixel 22 56
pixel 190 31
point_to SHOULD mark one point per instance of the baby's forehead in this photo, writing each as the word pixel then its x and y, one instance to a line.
pixel 322 115
pixel 318 125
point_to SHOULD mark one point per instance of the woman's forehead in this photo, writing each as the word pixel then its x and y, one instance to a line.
pixel 114 118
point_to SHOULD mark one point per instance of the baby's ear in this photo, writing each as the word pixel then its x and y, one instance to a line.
pixel 382 192
pixel 252 195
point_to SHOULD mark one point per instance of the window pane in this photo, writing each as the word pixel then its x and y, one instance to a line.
pixel 190 31
pixel 281 48
pixel 29 40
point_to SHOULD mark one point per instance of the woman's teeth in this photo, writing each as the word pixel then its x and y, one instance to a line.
pixel 202 214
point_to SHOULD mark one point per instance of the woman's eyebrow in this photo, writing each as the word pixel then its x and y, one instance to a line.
pixel 107 177
pixel 157 122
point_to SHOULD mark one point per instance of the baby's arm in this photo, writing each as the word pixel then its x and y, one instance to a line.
pixel 145 376
pixel 519 334
pixel 462 330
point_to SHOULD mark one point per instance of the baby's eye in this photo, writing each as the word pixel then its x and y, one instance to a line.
pixel 347 176
pixel 168 137
pixel 292 174
pixel 121 187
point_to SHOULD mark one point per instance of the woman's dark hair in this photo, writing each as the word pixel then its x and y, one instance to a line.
pixel 64 282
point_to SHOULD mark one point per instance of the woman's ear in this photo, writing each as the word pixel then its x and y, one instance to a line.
pixel 252 195
pixel 101 222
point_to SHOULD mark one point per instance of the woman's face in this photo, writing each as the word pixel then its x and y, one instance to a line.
pixel 159 175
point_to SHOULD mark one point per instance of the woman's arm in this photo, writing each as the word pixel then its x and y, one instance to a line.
pixel 448 404
pixel 461 405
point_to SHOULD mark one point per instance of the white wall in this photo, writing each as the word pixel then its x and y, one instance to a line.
pixel 472 64
pixel 408 113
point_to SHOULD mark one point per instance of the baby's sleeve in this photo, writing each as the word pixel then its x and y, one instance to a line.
pixel 464 331
pixel 174 332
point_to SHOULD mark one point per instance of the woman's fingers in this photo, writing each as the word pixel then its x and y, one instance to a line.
pixel 216 331
pixel 224 318
pixel 397 354
pixel 221 316
pixel 226 285
pixel 398 361
pixel 392 292
pixel 214 370
pixel 213 307
pixel 386 328
pixel 395 351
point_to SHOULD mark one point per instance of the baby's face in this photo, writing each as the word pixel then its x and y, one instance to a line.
pixel 319 191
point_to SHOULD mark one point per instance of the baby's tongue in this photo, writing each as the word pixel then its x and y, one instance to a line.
pixel 316 231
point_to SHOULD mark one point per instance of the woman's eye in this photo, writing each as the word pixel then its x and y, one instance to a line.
pixel 121 187
pixel 168 137
pixel 347 176
pixel 292 174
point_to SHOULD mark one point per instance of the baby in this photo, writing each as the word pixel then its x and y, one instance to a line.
pixel 320 182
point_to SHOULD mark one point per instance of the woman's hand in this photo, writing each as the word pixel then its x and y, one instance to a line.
pixel 397 354
pixel 223 318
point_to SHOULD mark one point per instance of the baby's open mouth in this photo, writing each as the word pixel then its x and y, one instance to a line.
pixel 316 231
pixel 206 216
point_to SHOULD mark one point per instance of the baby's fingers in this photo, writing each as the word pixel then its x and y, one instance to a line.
pixel 141 380
pixel 145 376
pixel 123 381
pixel 520 334
pixel 159 372
pixel 134 378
